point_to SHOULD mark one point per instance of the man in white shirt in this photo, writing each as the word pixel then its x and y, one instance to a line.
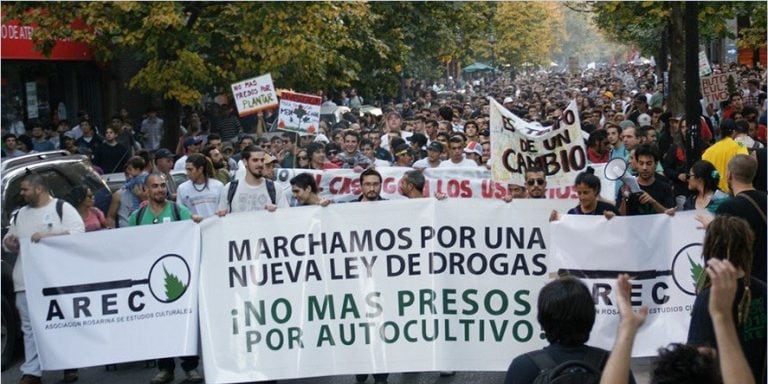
pixel 43 217
pixel 254 192
pixel 434 150
pixel 456 155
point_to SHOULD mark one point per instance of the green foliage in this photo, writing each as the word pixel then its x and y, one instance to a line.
pixel 188 49
pixel 174 288
pixel 696 272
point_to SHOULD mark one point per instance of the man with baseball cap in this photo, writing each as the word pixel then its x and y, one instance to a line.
pixel 191 145
pixel 434 150
pixel 164 164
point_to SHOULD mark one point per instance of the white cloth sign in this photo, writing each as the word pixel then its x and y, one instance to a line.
pixel 253 95
pixel 390 286
pixel 344 184
pixel 662 253
pixel 114 296
pixel 517 145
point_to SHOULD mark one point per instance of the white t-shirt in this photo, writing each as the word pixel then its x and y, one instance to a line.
pixel 385 139
pixel 466 163
pixel 424 163
pixel 250 198
pixel 44 220
pixel 180 164
pixel 198 198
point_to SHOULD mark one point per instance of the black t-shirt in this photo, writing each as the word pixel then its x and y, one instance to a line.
pixel 599 210
pixel 740 206
pixel 660 191
pixel 751 332
pixel 524 371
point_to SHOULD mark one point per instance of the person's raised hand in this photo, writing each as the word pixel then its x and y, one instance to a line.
pixel 723 276
pixel 629 317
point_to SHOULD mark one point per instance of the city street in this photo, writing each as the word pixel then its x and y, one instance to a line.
pixel 131 373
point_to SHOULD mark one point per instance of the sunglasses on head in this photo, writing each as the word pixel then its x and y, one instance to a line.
pixel 531 182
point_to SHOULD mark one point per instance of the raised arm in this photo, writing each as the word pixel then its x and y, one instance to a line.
pixel 733 363
pixel 616 370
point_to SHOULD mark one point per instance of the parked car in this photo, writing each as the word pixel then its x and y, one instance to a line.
pixel 62 172
pixel 116 180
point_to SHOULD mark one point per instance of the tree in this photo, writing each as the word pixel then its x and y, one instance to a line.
pixel 192 48
pixel 528 34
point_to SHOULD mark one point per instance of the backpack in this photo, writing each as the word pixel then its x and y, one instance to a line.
pixel 59 211
pixel 175 214
pixel 586 371
pixel 233 188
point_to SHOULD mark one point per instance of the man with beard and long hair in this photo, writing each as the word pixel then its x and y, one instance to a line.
pixel 254 192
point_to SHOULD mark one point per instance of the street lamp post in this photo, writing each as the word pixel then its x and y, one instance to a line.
pixel 492 41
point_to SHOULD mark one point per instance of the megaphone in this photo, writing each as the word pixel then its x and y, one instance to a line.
pixel 616 169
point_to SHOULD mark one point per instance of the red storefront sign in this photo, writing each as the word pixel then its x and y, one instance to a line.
pixel 16 44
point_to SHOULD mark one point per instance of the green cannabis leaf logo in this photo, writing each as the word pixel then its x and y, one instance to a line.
pixel 174 288
pixel 696 271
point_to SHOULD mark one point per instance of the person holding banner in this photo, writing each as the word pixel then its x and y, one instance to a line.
pixel 254 192
pixel 656 195
pixel 370 184
pixel 42 217
pixel 587 187
pixel 535 183
pixel 159 210
pixel 304 188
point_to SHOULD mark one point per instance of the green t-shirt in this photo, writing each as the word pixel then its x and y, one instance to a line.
pixel 165 216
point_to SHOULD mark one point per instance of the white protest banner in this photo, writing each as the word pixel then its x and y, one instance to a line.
pixel 114 296
pixel 390 286
pixel 344 184
pixel 661 253
pixel 299 112
pixel 517 145
pixel 714 88
pixel 253 95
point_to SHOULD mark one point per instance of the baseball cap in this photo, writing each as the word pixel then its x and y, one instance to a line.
pixel 418 138
pixel 269 159
pixel 508 100
pixel 627 124
pixel 227 147
pixel 474 147
pixel 435 146
pixel 321 138
pixel 608 94
pixel 163 153
pixel 643 119
pixel 192 141
pixel 402 149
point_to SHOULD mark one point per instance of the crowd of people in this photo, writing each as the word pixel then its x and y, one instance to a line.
pixel 230 166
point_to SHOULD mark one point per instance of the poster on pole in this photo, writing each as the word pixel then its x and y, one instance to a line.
pixel 299 113
pixel 714 88
pixel 254 95
pixel 517 145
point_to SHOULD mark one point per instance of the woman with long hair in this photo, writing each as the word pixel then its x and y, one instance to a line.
pixel 201 192
pixel 702 181
pixel 731 238
pixel 81 198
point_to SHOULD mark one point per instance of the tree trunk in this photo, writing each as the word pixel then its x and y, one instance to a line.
pixel 171 117
pixel 676 101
